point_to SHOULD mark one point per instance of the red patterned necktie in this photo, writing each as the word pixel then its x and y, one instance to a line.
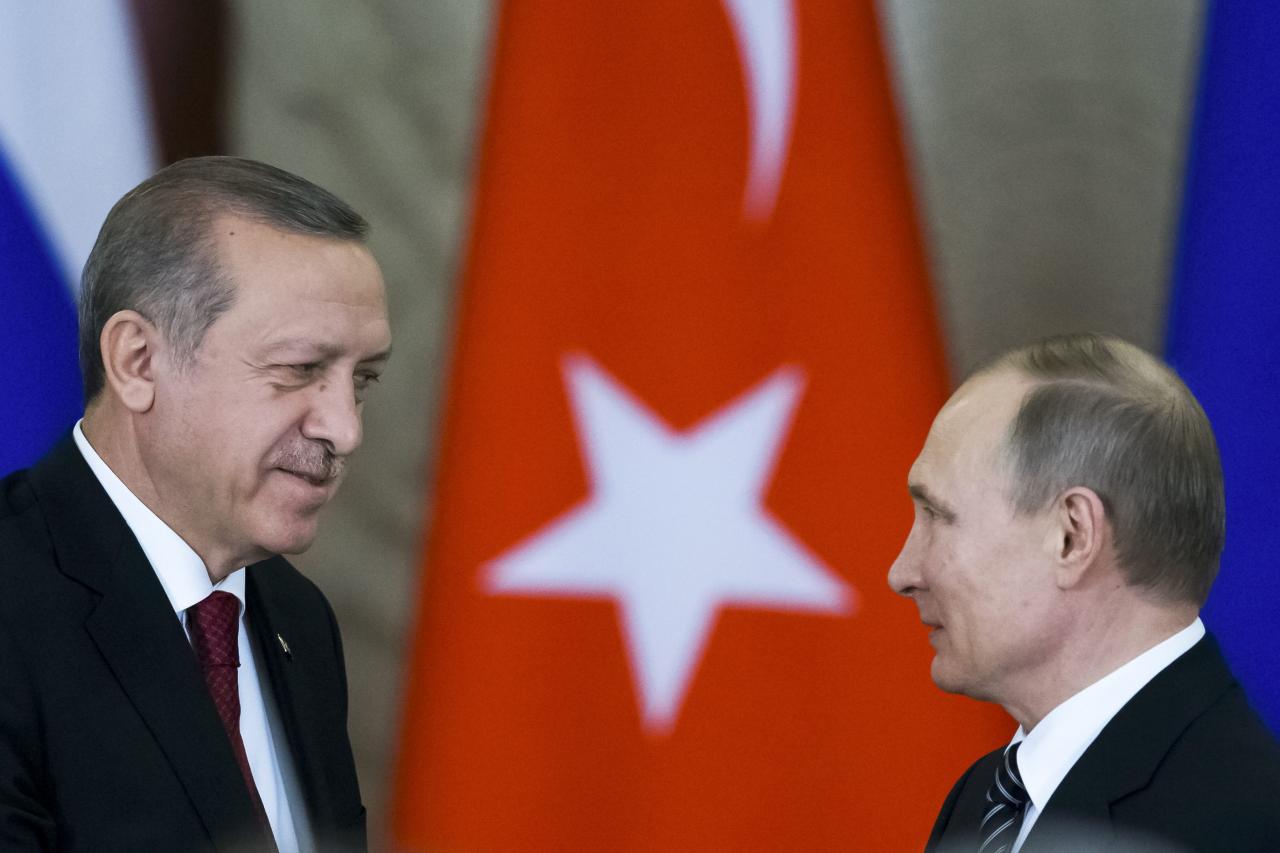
pixel 214 625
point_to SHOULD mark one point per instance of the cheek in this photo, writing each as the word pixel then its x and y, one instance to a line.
pixel 253 434
pixel 967 593
pixel 950 570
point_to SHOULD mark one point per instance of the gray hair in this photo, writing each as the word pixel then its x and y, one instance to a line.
pixel 156 254
pixel 1108 416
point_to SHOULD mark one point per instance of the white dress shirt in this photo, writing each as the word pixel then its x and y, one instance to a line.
pixel 1053 747
pixel 186 583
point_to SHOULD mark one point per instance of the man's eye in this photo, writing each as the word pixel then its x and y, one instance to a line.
pixel 928 511
pixel 362 383
pixel 305 370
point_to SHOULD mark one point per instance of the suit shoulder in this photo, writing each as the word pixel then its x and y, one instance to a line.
pixel 979 766
pixel 17 499
pixel 1230 741
pixel 26 548
pixel 1223 771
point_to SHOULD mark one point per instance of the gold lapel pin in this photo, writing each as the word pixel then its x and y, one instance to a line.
pixel 285 646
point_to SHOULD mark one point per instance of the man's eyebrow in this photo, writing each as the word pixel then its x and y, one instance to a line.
pixel 296 346
pixel 378 358
pixel 319 351
pixel 922 495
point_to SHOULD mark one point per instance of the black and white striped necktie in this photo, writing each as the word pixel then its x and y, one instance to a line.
pixel 1006 802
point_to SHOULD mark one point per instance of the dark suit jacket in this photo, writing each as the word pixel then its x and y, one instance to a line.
pixel 1185 766
pixel 108 737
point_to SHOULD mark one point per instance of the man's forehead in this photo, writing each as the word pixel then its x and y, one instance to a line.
pixel 987 401
pixel 301 297
pixel 970 429
pixel 261 261
pixel 244 238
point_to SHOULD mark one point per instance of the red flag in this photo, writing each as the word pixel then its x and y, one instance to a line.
pixel 696 355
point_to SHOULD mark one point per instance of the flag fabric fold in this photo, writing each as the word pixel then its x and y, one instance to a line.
pixel 695 355
pixel 74 136
pixel 1224 322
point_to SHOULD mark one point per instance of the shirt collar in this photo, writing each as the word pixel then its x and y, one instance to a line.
pixel 1054 746
pixel 179 568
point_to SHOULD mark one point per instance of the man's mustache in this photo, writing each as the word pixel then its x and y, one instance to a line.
pixel 309 459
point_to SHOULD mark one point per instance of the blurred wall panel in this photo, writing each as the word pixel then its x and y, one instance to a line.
pixel 377 101
pixel 1048 140
pixel 185 45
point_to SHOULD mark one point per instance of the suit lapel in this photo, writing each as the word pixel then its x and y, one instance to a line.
pixel 956 828
pixel 1126 754
pixel 294 652
pixel 135 629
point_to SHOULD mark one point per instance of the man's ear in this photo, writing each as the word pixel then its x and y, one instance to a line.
pixel 129 345
pixel 1081 532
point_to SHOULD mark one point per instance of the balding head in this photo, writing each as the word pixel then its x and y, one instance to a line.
pixel 1103 414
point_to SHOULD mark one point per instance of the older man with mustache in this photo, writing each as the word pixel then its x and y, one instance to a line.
pixel 170 682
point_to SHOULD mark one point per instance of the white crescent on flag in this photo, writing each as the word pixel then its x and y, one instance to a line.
pixel 765 32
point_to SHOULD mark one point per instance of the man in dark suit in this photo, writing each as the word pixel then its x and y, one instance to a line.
pixel 169 682
pixel 1069 519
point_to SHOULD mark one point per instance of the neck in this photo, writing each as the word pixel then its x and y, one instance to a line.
pixel 1103 639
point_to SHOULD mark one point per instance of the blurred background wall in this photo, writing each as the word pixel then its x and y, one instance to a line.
pixel 1047 141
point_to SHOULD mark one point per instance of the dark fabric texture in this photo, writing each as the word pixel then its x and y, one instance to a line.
pixel 1186 765
pixel 109 739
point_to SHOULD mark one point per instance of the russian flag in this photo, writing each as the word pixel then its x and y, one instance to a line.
pixel 74 136
pixel 1224 329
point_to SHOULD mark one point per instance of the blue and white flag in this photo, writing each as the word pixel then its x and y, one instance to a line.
pixel 74 136
pixel 1224 327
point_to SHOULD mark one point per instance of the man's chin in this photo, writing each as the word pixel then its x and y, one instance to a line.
pixel 944 677
pixel 950 679
pixel 294 549
pixel 290 537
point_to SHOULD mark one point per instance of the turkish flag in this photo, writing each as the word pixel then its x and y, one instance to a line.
pixel 695 356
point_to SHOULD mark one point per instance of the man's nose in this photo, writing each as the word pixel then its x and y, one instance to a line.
pixel 334 418
pixel 904 574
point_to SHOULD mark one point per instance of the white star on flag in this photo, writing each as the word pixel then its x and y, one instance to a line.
pixel 674 529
